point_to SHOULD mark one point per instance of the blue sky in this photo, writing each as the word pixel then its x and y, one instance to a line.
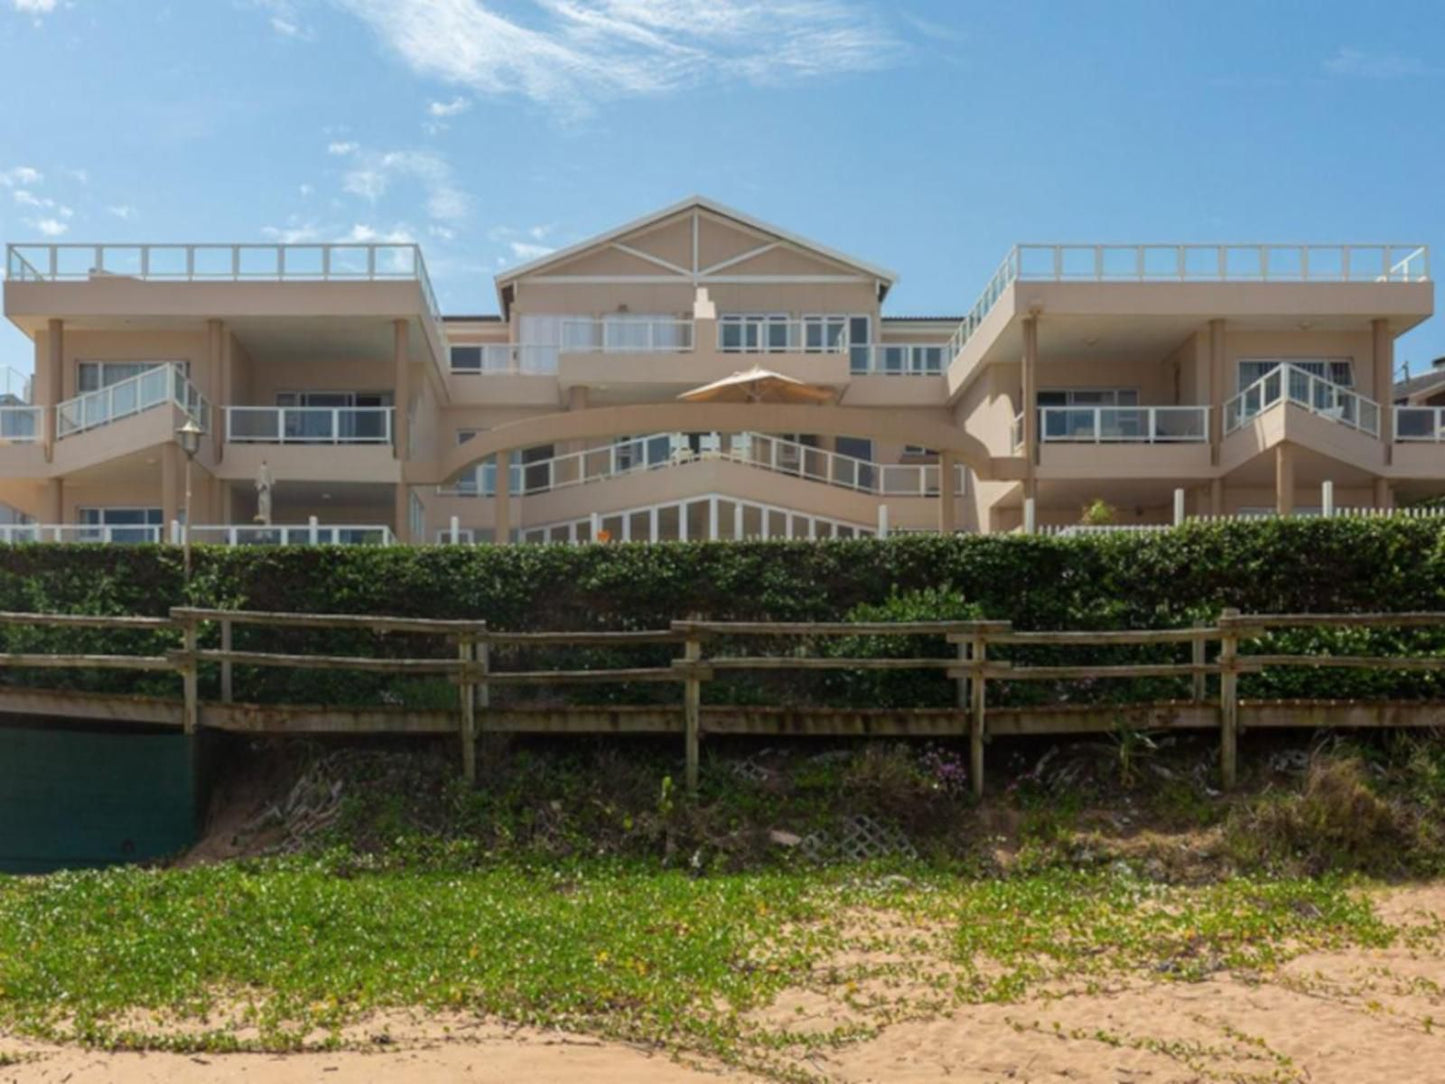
pixel 923 136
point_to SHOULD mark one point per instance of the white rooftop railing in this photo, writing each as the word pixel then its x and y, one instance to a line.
pixel 341 262
pixel 1195 263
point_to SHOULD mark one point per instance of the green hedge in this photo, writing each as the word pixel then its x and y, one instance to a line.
pixel 1097 581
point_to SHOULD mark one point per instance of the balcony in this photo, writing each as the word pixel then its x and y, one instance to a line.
pixel 780 335
pixel 19 424
pixel 1291 384
pixel 1419 424
pixel 896 359
pixel 1194 264
pixel 756 450
pixel 627 335
pixel 308 425
pixel 1124 425
pixel 155 387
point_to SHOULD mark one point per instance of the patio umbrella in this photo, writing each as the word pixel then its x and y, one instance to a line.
pixel 757 385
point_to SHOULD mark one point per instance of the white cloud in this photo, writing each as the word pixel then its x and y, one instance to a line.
pixel 293 234
pixel 283 17
pixel 1367 65
pixel 444 233
pixel 34 7
pixel 572 53
pixel 451 108
pixel 20 175
pixel 122 211
pixel 26 198
pixel 374 177
pixel 341 147
pixel 363 234
pixel 525 250
pixel 51 227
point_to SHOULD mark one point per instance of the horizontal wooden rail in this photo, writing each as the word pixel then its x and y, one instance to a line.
pixel 467 651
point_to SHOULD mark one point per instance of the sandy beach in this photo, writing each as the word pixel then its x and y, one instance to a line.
pixel 1346 1017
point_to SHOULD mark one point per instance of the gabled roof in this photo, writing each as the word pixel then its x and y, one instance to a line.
pixel 1415 385
pixel 885 277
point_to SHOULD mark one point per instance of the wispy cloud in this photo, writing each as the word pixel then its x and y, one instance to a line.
pixel 378 171
pixel 449 109
pixel 36 8
pixel 526 250
pixel 283 16
pixel 570 54
pixel 20 175
pixel 50 227
pixel 341 147
pixel 1360 63
pixel 123 211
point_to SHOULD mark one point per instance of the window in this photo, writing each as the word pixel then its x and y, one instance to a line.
pixel 898 358
pixel 466 359
pixel 623 332
pixel 127 524
pixel 824 333
pixel 753 332
pixel 416 518
pixel 917 451
pixel 1088 397
pixel 543 335
pixel 1336 370
pixel 94 375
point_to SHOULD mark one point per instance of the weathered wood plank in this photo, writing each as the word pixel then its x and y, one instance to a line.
pixel 1410 619
pixel 1341 662
pixel 997 671
pixel 85 621
pixel 1091 638
pixel 326 662
pixel 837 628
pixel 86 662
pixel 378 623
pixel 796 662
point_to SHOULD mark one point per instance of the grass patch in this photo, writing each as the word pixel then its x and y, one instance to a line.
pixel 294 950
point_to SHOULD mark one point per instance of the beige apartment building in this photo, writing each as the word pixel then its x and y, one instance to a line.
pixel 337 404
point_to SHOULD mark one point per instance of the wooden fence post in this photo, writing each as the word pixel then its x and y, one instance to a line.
pixel 977 689
pixel 692 708
pixel 188 679
pixel 482 654
pixel 467 653
pixel 1197 657
pixel 227 688
pixel 1228 697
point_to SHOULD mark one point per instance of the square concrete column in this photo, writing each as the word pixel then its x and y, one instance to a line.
pixel 401 395
pixel 947 501
pixel 1284 479
pixel 401 515
pixel 54 509
pixel 502 505
pixel 1382 354
pixel 1031 404
pixel 1383 497
pixel 49 383
pixel 213 388
pixel 1216 496
pixel 1218 381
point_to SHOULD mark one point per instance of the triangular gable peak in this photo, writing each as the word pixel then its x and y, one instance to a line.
pixel 695 243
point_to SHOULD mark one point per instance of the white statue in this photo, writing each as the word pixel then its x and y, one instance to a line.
pixel 264 483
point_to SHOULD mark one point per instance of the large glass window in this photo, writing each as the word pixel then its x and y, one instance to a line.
pixel 753 332
pixel 127 524
pixel 466 359
pixel 94 375
pixel 352 424
pixel 543 338
pixel 1336 370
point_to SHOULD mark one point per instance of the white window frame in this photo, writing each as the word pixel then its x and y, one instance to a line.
pixel 761 322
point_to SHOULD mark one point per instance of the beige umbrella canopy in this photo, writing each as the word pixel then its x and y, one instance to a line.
pixel 757 385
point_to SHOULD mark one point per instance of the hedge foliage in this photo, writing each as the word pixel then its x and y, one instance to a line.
pixel 1098 581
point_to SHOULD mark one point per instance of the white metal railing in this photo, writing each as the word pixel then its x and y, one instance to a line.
pixel 1196 263
pixel 12 533
pixel 294 534
pixel 308 425
pixel 19 424
pixel 1290 383
pixel 626 335
pixel 896 359
pixel 166 383
pixel 496 358
pixel 757 450
pixel 1419 423
pixel 223 263
pixel 1144 425
pixel 15 387
pixel 780 335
